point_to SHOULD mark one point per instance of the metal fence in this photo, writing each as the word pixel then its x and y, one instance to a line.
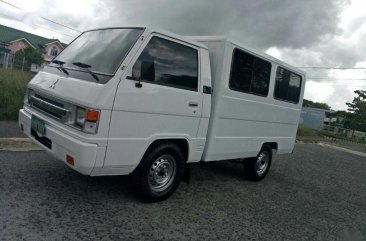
pixel 8 61
pixel 345 133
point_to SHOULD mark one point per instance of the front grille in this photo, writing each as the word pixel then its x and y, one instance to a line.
pixel 50 107
pixel 49 100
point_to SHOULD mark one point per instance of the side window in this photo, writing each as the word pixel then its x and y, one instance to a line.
pixel 168 63
pixel 288 85
pixel 249 74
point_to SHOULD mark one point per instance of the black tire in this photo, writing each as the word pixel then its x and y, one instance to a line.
pixel 256 169
pixel 155 165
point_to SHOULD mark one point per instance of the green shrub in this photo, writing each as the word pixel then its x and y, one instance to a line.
pixel 13 84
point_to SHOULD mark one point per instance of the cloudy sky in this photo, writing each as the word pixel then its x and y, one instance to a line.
pixel 312 33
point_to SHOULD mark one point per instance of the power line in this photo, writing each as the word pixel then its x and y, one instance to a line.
pixel 60 24
pixel 47 19
pixel 318 67
pixel 35 26
pixel 10 4
pixel 340 84
pixel 53 31
pixel 334 78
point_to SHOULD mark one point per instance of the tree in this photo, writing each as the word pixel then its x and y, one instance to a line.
pixel 358 110
pixel 344 118
pixel 24 58
pixel 309 103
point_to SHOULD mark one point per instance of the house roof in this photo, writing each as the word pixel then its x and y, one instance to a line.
pixel 8 35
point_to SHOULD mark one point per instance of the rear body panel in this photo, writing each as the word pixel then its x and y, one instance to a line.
pixel 241 123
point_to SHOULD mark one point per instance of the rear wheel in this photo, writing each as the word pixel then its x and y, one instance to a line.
pixel 160 172
pixel 255 169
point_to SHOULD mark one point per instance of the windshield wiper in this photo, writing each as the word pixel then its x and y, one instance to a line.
pixel 86 66
pixel 60 66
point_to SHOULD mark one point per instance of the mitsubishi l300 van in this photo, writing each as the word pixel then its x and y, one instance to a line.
pixel 146 102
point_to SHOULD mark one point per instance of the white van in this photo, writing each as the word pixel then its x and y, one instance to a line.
pixel 140 101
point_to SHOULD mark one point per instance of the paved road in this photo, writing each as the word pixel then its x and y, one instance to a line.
pixel 315 194
pixel 353 146
pixel 10 129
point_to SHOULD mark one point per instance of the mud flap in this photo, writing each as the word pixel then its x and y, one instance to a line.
pixel 187 173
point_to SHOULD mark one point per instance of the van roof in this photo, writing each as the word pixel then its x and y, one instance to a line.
pixel 241 46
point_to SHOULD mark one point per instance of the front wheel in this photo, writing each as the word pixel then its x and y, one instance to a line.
pixel 255 169
pixel 160 172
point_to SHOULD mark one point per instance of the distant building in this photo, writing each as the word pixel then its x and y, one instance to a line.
pixel 331 117
pixel 13 40
pixel 315 118
pixel 312 117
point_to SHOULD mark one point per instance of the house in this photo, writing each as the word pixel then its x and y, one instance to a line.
pixel 13 40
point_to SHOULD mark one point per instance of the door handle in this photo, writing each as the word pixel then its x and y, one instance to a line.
pixel 193 104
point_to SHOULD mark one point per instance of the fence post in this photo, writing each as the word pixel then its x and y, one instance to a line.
pixel 6 60
pixel 23 64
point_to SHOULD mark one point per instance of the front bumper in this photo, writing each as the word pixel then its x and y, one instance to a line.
pixel 84 154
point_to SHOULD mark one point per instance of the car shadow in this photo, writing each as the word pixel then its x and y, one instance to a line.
pixel 63 182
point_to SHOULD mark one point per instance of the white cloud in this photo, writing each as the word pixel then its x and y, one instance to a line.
pixel 274 52
pixel 302 33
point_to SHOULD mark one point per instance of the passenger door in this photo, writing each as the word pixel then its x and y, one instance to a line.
pixel 158 98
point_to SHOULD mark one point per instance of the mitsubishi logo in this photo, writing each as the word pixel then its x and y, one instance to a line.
pixel 54 84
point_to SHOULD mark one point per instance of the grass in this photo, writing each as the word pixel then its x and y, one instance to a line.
pixel 303 131
pixel 13 84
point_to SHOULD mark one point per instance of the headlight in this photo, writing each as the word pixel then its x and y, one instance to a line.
pixel 28 95
pixel 80 117
pixel 87 120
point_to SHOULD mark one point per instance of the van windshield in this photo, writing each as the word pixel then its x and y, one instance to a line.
pixel 102 51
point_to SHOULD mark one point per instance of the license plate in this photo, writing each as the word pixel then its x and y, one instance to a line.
pixel 38 125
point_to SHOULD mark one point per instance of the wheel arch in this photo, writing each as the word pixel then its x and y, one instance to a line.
pixel 182 143
pixel 272 145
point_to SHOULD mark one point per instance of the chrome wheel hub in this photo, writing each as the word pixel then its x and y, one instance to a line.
pixel 161 173
pixel 262 163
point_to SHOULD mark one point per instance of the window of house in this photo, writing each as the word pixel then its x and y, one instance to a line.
pixel 288 85
pixel 249 74
pixel 54 51
pixel 168 63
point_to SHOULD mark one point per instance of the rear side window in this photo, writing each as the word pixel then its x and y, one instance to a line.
pixel 168 63
pixel 288 85
pixel 249 74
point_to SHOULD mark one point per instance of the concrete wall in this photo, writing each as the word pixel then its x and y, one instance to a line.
pixel 312 117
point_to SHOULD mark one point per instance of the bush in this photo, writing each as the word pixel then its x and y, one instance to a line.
pixel 13 84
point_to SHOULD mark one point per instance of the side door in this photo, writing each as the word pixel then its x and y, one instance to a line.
pixel 158 98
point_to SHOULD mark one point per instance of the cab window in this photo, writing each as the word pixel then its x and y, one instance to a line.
pixel 165 62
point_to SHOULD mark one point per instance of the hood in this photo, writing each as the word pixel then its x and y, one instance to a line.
pixel 76 91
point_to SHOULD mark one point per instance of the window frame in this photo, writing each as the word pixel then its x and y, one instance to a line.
pixel 274 90
pixel 255 56
pixel 176 41
pixel 120 63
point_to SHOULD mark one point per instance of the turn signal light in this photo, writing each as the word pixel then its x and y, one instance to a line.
pixel 70 160
pixel 92 115
pixel 86 120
